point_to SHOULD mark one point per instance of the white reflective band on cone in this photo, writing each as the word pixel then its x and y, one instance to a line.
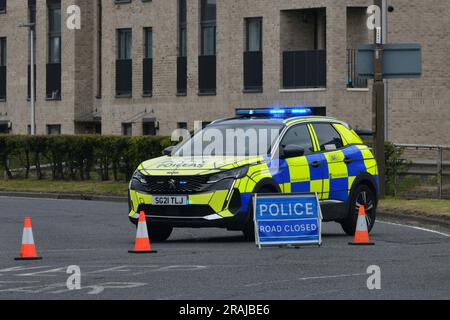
pixel 142 230
pixel 27 236
pixel 362 224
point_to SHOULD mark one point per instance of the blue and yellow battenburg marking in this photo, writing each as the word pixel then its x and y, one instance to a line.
pixel 332 180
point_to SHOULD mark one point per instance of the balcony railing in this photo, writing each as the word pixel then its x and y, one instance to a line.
pixel 54 81
pixel 253 71
pixel 147 77
pixel 2 82
pixel 207 75
pixel 124 77
pixel 353 81
pixel 304 69
pixel 182 75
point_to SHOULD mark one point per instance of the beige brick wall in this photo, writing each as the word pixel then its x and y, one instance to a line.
pixel 418 109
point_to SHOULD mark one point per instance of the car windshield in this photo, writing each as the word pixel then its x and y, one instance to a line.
pixel 232 139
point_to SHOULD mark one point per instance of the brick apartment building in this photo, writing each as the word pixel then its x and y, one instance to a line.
pixel 148 67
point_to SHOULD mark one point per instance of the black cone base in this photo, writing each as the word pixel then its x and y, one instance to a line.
pixel 361 244
pixel 142 252
pixel 28 259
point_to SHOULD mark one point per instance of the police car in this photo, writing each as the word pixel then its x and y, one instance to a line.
pixel 273 150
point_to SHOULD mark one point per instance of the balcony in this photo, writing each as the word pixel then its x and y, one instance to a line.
pixel 147 77
pixel 124 78
pixel 182 76
pixel 207 75
pixel 304 69
pixel 2 83
pixel 253 71
pixel 54 81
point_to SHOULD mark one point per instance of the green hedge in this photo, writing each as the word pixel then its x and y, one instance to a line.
pixel 76 157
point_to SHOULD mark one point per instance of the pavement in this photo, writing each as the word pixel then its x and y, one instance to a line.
pixel 209 263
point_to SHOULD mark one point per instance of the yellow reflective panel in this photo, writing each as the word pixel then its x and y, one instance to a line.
pixel 351 180
pixel 316 186
pixel 298 169
pixel 336 165
pixel 314 138
pixel 200 198
pixel 349 136
pixel 287 188
pixel 218 200
pixel 225 214
pixel 326 189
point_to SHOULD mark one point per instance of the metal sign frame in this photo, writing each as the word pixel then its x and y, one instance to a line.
pixel 258 242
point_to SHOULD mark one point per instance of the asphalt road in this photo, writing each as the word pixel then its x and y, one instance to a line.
pixel 208 264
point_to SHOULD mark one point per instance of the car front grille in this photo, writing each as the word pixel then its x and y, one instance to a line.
pixel 191 211
pixel 175 185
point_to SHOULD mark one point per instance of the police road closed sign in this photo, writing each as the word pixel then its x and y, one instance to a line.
pixel 293 219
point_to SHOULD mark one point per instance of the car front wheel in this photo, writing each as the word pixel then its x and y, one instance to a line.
pixel 158 232
pixel 363 195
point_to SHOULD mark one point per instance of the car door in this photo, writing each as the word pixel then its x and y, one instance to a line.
pixel 335 183
pixel 302 174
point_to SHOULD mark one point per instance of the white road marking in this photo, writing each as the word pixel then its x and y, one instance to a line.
pixel 307 278
pixel 416 228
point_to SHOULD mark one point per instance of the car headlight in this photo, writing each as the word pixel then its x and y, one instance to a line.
pixel 139 177
pixel 229 174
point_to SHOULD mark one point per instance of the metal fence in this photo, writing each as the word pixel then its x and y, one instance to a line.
pixel 426 172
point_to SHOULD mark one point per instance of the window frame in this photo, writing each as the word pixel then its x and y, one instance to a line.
pixel 333 128
pixel 128 49
pixel 54 33
pixel 292 127
pixel 248 21
pixel 3 52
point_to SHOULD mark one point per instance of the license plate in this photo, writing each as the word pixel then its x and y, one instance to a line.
pixel 170 200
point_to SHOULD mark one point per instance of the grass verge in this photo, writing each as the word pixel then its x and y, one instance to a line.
pixel 69 187
pixel 434 208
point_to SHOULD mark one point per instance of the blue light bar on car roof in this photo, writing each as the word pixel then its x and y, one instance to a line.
pixel 276 112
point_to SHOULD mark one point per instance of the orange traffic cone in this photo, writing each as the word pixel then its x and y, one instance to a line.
pixel 362 232
pixel 142 244
pixel 28 249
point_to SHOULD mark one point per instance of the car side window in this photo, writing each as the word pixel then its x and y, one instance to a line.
pixel 299 136
pixel 329 138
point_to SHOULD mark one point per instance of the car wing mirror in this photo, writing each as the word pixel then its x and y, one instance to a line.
pixel 168 151
pixel 293 151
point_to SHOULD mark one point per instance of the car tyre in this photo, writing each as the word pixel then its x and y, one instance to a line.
pixel 158 232
pixel 249 228
pixel 362 195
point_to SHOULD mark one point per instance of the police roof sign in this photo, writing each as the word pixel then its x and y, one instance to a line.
pixel 293 219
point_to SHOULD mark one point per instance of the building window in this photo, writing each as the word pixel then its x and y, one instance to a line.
pixel 53 129
pixel 149 128
pixel 124 62
pixel 2 6
pixel 207 60
pixel 253 57
pixel 303 47
pixel 148 62
pixel 182 48
pixel 2 69
pixel 127 129
pixel 125 39
pixel 54 50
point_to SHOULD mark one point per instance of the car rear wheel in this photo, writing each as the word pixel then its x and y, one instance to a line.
pixel 158 232
pixel 363 195
pixel 249 228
